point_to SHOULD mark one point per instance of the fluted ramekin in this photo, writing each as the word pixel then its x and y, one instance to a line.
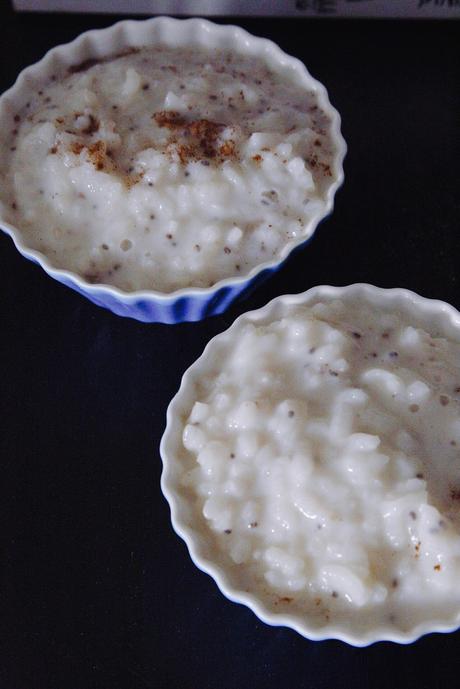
pixel 188 304
pixel 187 519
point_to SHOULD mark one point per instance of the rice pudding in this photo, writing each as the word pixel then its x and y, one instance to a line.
pixel 321 460
pixel 163 168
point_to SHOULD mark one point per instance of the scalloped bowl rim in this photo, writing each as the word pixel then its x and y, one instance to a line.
pixel 201 26
pixel 390 296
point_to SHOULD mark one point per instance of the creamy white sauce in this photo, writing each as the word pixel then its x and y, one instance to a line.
pixel 167 168
pixel 323 460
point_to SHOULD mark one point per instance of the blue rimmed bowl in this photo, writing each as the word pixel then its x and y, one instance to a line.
pixel 187 304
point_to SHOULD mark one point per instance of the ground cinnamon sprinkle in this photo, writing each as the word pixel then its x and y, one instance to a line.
pixel 185 153
pixel 205 129
pixel 227 149
pixel 100 157
pixel 170 119
pixel 97 154
pixel 92 127
pixel 201 135
pixel 77 147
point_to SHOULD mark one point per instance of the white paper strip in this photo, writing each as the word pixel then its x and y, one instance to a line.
pixel 447 9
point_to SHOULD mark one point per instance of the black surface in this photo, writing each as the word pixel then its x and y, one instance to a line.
pixel 96 590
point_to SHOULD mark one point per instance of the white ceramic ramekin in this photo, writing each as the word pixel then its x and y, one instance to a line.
pixel 188 304
pixel 187 519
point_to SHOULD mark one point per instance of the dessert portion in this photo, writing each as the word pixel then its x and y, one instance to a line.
pixel 163 168
pixel 321 459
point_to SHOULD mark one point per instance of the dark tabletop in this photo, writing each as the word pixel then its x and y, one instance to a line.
pixel 96 589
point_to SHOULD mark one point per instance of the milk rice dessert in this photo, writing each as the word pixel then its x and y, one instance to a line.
pixel 321 461
pixel 163 168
